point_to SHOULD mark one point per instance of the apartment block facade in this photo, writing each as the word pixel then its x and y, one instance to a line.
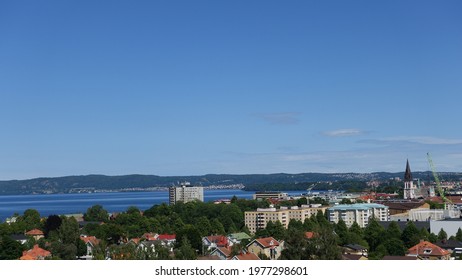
pixel 258 219
pixel 185 193
pixel 360 213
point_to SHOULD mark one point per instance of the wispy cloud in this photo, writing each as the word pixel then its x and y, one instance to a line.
pixel 283 118
pixel 346 132
pixel 423 140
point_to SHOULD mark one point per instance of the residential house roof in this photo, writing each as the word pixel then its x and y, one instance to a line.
pixel 268 242
pixel 355 247
pixel 209 258
pixel 150 236
pixel 310 234
pixel 239 236
pixel 449 244
pixel 225 251
pixel 18 237
pixel 166 237
pixel 90 239
pixel 34 232
pixel 36 253
pixel 425 248
pixel 246 257
pixel 404 206
pixel 219 240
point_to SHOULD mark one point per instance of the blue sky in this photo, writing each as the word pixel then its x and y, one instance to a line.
pixel 198 87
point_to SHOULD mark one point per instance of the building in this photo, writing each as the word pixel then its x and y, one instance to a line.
pixel 428 251
pixel 185 193
pixel 360 213
pixel 268 247
pixel 255 220
pixel 409 187
pixel 450 226
pixel 36 234
pixel 269 195
pixel 36 253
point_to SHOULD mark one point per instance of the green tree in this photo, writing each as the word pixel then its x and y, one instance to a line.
pixel 10 249
pixel 192 235
pixel 395 246
pixel 373 234
pixel 185 251
pixel 410 235
pixel 204 226
pixel 69 231
pixel 52 223
pixel 342 232
pixel 96 213
pixel 295 245
pixel 393 231
pixel 459 235
pixel 442 235
pixel 30 219
pixel 276 230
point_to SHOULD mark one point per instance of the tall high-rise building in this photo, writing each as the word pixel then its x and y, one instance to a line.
pixel 185 193
pixel 409 187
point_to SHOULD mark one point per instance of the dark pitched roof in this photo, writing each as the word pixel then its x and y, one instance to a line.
pixel 408 174
pixel 449 244
pixel 352 257
pixel 403 205
pixel 18 237
pixel 356 247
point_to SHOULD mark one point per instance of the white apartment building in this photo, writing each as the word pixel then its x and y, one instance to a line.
pixel 255 220
pixel 185 193
pixel 360 213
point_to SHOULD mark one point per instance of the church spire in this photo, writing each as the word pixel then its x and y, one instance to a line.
pixel 408 174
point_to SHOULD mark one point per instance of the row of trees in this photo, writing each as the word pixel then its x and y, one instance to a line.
pixel 192 221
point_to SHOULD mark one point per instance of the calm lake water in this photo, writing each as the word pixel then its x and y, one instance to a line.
pixel 113 202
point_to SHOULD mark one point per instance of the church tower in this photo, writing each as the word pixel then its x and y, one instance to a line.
pixel 409 188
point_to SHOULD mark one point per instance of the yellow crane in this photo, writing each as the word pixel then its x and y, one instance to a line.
pixel 446 201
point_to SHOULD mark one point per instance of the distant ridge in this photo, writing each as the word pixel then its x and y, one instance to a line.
pixel 103 183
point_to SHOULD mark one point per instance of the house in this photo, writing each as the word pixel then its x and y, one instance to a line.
pixel 310 235
pixel 246 257
pixel 237 238
pixel 354 249
pixel 36 253
pixel 214 241
pixel 148 246
pixel 223 253
pixel 269 247
pixel 453 246
pixel 91 242
pixel 167 239
pixel 428 251
pixel 21 238
pixel 150 236
pixel 36 234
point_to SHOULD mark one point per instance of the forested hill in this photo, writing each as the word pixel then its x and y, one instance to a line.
pixel 89 183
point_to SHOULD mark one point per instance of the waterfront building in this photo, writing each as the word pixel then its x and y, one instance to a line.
pixel 185 193
pixel 258 219
pixel 360 213
pixel 269 195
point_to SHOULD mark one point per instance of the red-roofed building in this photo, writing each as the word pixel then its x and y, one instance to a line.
pixel 246 257
pixel 36 253
pixel 428 251
pixel 35 233
pixel 224 253
pixel 269 247
pixel 215 241
pixel 167 239
pixel 150 236
pixel 310 235
pixel 91 242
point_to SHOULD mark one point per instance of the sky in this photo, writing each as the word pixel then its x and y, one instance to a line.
pixel 228 87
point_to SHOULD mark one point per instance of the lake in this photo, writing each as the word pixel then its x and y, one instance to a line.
pixel 48 204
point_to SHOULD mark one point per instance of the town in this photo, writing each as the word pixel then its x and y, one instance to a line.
pixel 418 222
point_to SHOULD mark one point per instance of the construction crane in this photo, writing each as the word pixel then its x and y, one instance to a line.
pixel 446 201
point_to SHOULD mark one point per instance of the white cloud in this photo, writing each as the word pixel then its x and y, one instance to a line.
pixel 346 132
